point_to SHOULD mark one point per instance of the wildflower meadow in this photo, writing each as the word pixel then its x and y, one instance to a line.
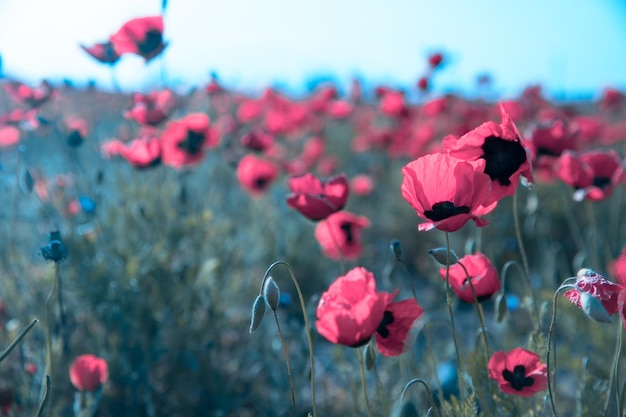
pixel 346 253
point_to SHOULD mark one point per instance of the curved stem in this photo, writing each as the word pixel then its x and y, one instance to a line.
pixel 614 379
pixel 430 396
pixel 49 320
pixel 520 245
pixel 282 344
pixel 306 322
pixel 407 275
pixel 481 317
pixel 552 344
pixel 17 340
pixel 459 363
pixel 364 383
pixel 46 397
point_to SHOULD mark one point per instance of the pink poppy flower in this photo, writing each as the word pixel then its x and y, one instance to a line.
pixel 102 52
pixel 340 235
pixel 316 199
pixel 518 372
pixel 256 175
pixel 483 274
pixel 501 147
pixel 88 372
pixel 352 311
pixel 142 36
pixel 9 136
pixel 183 142
pixel 447 191
pixel 152 108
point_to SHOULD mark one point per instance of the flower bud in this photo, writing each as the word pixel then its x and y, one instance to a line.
pixel 271 292
pixel 502 307
pixel 593 308
pixel 396 248
pixel 258 310
pixel 440 255
pixel 370 356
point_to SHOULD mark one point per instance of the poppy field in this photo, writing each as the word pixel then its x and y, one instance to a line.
pixel 346 253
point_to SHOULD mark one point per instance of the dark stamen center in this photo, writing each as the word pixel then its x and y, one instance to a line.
pixel 517 378
pixel 192 144
pixel 151 43
pixel 503 157
pixel 444 210
pixel 346 228
pixel 261 182
pixel 601 182
pixel 382 327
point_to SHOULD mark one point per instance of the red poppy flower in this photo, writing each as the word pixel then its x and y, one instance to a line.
pixel 397 320
pixel 594 174
pixel 142 152
pixel 30 96
pixel 339 109
pixel 256 174
pixel 351 310
pixel 183 142
pixel 257 140
pixel 435 60
pixel 77 130
pixel 102 52
pixel 483 274
pixel 142 36
pixel 9 136
pixel 392 103
pixel 88 372
pixel 618 267
pixel 518 372
pixel 423 84
pixel 548 141
pixel 249 110
pixel 501 147
pixel 340 235
pixel 362 185
pixel 600 288
pixel 151 109
pixel 316 199
pixel 447 191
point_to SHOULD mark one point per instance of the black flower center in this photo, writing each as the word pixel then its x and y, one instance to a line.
pixel 261 182
pixel 601 182
pixel 74 139
pixel 193 143
pixel 444 210
pixel 382 329
pixel 503 157
pixel 152 42
pixel 546 152
pixel 517 378
pixel 346 228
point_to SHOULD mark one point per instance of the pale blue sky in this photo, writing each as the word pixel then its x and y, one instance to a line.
pixel 566 45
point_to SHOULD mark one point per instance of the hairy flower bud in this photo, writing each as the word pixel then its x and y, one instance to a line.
pixel 593 308
pixel 271 292
pixel 258 310
pixel 396 248
pixel 440 255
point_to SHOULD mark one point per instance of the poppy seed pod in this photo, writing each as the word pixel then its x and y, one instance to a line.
pixel 441 256
pixel 258 310
pixel 271 293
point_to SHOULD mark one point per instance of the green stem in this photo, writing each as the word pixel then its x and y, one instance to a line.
pixel 363 382
pixel 282 344
pixel 614 379
pixel 306 323
pixel 430 396
pixel 46 397
pixel 17 340
pixel 520 244
pixel 459 362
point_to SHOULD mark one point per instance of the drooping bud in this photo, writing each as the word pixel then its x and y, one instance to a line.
pixel 404 409
pixel 258 310
pixel 370 356
pixel 396 249
pixel 502 307
pixel 593 308
pixel 271 292
pixel 440 255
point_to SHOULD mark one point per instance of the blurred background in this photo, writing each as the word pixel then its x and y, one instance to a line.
pixel 574 51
